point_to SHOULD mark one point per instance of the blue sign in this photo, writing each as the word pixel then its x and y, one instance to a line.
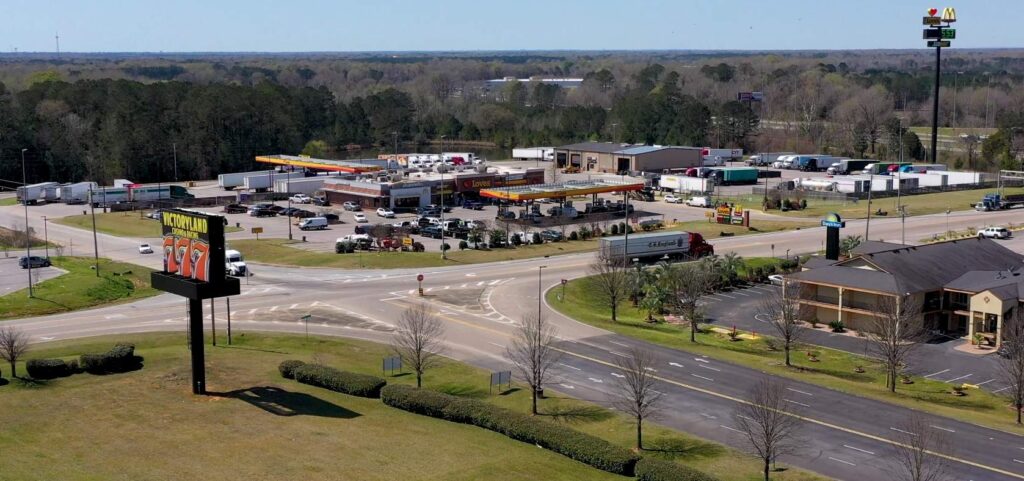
pixel 833 220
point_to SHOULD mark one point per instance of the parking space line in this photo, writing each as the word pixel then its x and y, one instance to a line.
pixel 740 293
pixel 961 377
pixel 797 403
pixel 936 373
pixel 731 429
pixel 841 461
pixel 1000 390
pixel 858 449
pixel 702 377
pixel 943 429
pixel 798 391
pixel 985 382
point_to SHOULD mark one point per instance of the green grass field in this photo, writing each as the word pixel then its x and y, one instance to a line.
pixel 9 238
pixel 835 369
pixel 79 288
pixel 9 201
pixel 147 425
pixel 122 224
pixel 277 251
pixel 923 204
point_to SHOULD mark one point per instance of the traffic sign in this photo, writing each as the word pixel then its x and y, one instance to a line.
pixel 257 230
pixel 938 43
pixel 419 277
pixel 565 281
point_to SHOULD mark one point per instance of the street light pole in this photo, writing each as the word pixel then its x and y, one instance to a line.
pixel 289 193
pixel 174 148
pixel 867 225
pixel 540 296
pixel 95 242
pixel 28 238
pixel 46 239
pixel 441 169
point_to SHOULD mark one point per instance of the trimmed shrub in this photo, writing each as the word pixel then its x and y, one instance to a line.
pixel 418 247
pixel 287 368
pixel 463 245
pixel 574 236
pixel 565 441
pixel 615 229
pixel 121 358
pixel 47 368
pixel 339 381
pixel 446 246
pixel 652 469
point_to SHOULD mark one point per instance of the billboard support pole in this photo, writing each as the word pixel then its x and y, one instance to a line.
pixel 195 322
pixel 228 299
pixel 213 320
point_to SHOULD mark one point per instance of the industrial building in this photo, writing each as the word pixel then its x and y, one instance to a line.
pixel 619 158
pixel 963 287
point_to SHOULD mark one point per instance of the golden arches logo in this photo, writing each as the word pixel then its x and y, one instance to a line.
pixel 949 14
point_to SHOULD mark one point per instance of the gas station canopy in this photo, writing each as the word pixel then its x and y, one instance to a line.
pixel 562 189
pixel 320 164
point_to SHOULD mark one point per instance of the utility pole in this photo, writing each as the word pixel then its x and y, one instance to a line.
pixel 867 225
pixel 46 239
pixel 95 242
pixel 938 36
pixel 28 237
pixel 174 148
pixel 441 169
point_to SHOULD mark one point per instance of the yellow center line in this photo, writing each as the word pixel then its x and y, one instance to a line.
pixel 742 401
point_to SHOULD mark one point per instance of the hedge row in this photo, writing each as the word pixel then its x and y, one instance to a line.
pixel 287 368
pixel 121 358
pixel 340 381
pixel 50 368
pixel 570 443
pixel 649 469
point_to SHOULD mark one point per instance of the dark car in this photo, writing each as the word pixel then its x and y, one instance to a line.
pixel 473 205
pixel 551 235
pixel 262 213
pixel 321 201
pixel 332 218
pixel 235 209
pixel 428 211
pixel 34 261
pixel 447 208
pixel 432 231
pixel 302 214
pixel 276 208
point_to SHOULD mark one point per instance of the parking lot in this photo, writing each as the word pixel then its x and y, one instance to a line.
pixel 14 278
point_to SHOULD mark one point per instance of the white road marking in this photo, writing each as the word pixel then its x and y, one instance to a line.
pixel 943 429
pixel 797 403
pixel 570 367
pixel 708 416
pixel 619 344
pixel 594 379
pixel 493 283
pixel 700 360
pixel 702 377
pixel 961 377
pixel 495 344
pixel 731 429
pixel 711 368
pixel 471 275
pixel 858 449
pixel 675 364
pixel 650 369
pixel 1003 389
pixel 568 386
pixel 252 311
pixel 293 306
pixel 985 382
pixel 937 373
pixel 725 295
pixel 798 391
pixel 392 298
pixel 841 461
pixel 480 283
pixel 618 375
pixel 740 293
pixel 272 309
pixel 1018 461
pixel 618 354
pixel 902 431
pixel 46 338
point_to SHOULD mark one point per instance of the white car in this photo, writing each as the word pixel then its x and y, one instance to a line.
pixel 300 199
pixel 360 217
pixel 698 202
pixel 775 279
pixel 385 212
pixel 145 249
pixel 671 199
pixel 995 233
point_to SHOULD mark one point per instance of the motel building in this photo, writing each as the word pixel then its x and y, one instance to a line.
pixel 963 287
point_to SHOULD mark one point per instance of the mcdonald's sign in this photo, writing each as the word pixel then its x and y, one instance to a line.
pixel 949 14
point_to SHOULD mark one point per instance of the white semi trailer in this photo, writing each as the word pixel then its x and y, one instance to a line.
pixel 237 179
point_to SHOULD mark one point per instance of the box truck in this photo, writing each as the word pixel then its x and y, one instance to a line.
pixel 734 175
pixel 674 245
pixel 263 182
pixel 534 153
pixel 720 156
pixel 848 166
pixel 237 179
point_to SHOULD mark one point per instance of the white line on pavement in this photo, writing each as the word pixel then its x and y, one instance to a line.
pixel 675 364
pixel 902 431
pixel 618 375
pixel 619 344
pixel 708 416
pixel 741 293
pixel 570 367
pixel 1018 461
pixel 272 309
pixel 618 354
pixel 293 306
pixel 1000 390
pixel 392 298
pixel 961 377
pixel 567 386
pixel 943 429
pixel 711 368
pixel 731 429
pixel 798 391
pixel 841 461
pixel 725 295
pixel 700 360
pixel 595 380
pixel 797 403
pixel 495 344
pixel 937 373
pixel 702 377
pixel 857 449
pixel 985 382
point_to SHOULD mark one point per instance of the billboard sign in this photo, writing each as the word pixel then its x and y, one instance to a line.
pixel 193 245
pixel 938 43
pixel 833 220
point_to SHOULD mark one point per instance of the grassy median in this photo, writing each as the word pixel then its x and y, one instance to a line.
pixel 80 288
pixel 833 369
pixel 261 426
pixel 122 224
pixel 285 252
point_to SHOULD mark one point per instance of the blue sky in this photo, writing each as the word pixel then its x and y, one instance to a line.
pixel 375 25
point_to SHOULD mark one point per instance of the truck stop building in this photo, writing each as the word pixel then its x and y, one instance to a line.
pixel 617 158
pixel 415 189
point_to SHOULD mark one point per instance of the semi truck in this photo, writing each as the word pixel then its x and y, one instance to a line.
pixel 31 194
pixel 883 168
pixel 999 202
pixel 264 181
pixel 765 159
pixel 848 166
pixel 720 156
pixel 674 245
pixel 734 175
pixel 534 153
pixel 234 264
pixel 237 179
pixel 105 196
pixel 147 193
pixel 76 193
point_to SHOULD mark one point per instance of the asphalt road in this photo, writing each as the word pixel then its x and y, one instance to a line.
pixel 846 437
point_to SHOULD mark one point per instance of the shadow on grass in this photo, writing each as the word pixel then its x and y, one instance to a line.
pixel 30 383
pixel 508 391
pixel 401 374
pixel 577 414
pixel 47 301
pixel 249 348
pixel 688 449
pixel 280 402
pixel 4 382
pixel 462 390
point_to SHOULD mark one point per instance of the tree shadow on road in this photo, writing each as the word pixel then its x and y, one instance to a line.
pixel 281 402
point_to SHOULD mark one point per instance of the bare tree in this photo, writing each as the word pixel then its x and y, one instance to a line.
pixel 781 313
pixel 636 395
pixel 914 444
pixel 895 331
pixel 1011 361
pixel 13 345
pixel 686 285
pixel 418 339
pixel 768 422
pixel 532 352
pixel 610 280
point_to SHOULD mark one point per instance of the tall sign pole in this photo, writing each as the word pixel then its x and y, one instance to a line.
pixel 938 34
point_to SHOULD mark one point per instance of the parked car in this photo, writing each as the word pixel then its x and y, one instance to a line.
pixel 473 205
pixel 360 217
pixel 276 208
pixel 447 208
pixel 351 207
pixel 321 201
pixel 432 231
pixel 34 261
pixel 386 213
pixel 332 218
pixel 672 199
pixel 300 199
pixel 155 214
pixel 775 279
pixel 995 233
pixel 698 202
pixel 288 211
pixel 318 223
pixel 235 209
pixel 551 235
pixel 262 213
pixel 473 224
pixel 145 249
pixel 303 214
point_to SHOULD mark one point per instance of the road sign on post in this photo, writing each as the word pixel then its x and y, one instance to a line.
pixel 305 320
pixel 419 279
pixel 257 231
pixel 391 364
pixel 498 378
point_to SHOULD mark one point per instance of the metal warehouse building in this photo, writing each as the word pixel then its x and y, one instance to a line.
pixel 616 158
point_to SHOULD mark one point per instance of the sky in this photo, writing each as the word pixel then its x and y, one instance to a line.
pixel 445 25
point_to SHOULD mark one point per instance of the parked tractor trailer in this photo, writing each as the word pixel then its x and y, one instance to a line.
pixel 653 246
